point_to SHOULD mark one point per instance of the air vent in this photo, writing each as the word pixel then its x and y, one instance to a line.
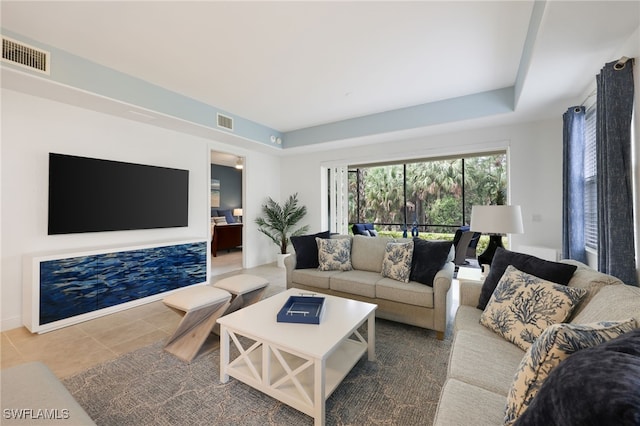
pixel 225 122
pixel 26 56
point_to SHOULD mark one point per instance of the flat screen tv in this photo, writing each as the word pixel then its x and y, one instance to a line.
pixel 94 195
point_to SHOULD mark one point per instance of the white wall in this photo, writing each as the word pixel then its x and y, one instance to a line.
pixel 32 127
pixel 535 165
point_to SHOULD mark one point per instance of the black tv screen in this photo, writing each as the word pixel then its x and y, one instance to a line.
pixel 93 195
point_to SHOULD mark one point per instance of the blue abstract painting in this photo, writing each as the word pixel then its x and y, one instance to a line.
pixel 74 286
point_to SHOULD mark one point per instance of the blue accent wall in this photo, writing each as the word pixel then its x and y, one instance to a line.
pixel 230 186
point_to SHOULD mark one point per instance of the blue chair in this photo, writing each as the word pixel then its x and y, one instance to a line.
pixel 465 243
pixel 363 229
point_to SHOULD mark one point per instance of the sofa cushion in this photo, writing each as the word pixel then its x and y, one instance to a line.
pixel 488 363
pixel 334 254
pixel 523 306
pixel 612 303
pixel 468 318
pixel 559 273
pixel 411 293
pixel 396 262
pixel 464 404
pixel 367 253
pixel 306 249
pixel 553 346
pixel 313 277
pixel 595 386
pixel 428 258
pixel 589 279
pixel 362 283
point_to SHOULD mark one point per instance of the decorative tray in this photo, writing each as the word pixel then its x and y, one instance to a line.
pixel 302 309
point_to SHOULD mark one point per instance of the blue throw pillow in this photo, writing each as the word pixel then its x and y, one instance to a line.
pixel 595 386
pixel 227 215
pixel 428 258
pixel 559 273
pixel 306 249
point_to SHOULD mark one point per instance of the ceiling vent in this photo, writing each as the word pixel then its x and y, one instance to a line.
pixel 25 56
pixel 225 122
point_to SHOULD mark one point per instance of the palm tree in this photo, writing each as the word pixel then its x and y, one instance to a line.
pixel 278 221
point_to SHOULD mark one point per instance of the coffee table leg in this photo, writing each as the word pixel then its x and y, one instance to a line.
pixel 224 353
pixel 371 336
pixel 319 401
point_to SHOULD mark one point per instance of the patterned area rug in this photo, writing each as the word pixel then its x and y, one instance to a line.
pixel 151 387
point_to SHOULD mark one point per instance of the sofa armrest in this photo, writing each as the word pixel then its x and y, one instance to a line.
pixel 441 286
pixel 470 293
pixel 290 265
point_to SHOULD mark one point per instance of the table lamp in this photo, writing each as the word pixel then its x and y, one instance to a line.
pixel 495 221
pixel 238 213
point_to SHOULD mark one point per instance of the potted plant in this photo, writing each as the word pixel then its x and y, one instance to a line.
pixel 278 223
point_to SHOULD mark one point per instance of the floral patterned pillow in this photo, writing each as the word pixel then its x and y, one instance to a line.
pixel 522 306
pixel 396 263
pixel 553 346
pixel 334 254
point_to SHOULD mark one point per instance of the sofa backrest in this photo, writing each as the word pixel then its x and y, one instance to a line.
pixel 612 303
pixel 367 253
pixel 589 279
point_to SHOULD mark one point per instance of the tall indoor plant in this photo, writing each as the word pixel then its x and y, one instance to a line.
pixel 278 222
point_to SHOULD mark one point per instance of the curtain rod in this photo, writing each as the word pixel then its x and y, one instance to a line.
pixel 622 62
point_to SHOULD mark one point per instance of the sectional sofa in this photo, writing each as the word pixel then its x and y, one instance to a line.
pixel 423 304
pixel 483 364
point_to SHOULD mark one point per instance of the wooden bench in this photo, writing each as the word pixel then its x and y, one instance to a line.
pixel 202 305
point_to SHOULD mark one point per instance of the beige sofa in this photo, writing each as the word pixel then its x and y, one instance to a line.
pixel 482 364
pixel 411 303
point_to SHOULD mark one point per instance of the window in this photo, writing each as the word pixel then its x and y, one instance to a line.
pixel 590 182
pixel 437 194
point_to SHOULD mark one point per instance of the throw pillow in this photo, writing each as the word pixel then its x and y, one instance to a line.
pixel 227 215
pixel 559 273
pixel 334 254
pixel 594 386
pixel 428 258
pixel 219 220
pixel 553 346
pixel 307 249
pixel 523 306
pixel 396 263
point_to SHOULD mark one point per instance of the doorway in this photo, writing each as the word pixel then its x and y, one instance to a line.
pixel 226 200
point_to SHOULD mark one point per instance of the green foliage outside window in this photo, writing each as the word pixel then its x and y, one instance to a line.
pixel 437 194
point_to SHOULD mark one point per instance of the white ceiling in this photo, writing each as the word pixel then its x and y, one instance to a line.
pixel 292 65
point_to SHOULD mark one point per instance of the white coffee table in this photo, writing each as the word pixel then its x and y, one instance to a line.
pixel 298 364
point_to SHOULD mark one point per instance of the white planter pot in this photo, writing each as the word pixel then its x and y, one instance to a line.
pixel 280 259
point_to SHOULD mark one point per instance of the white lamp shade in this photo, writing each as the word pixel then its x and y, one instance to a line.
pixel 496 219
pixel 237 212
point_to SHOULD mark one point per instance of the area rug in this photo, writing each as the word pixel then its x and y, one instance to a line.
pixel 151 387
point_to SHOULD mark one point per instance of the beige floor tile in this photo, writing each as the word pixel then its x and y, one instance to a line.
pixel 123 333
pixel 9 355
pixel 139 342
pixel 79 362
pixel 167 320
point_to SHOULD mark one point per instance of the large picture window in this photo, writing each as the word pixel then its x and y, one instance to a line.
pixel 435 194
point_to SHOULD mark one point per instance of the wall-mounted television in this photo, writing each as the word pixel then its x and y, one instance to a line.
pixel 94 195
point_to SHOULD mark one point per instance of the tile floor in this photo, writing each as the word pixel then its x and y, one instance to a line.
pixel 72 349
